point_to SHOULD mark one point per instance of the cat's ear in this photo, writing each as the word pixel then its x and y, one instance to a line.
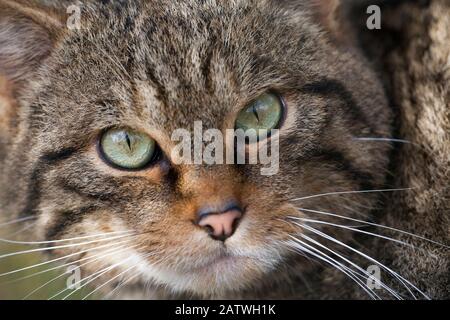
pixel 332 15
pixel 326 12
pixel 28 32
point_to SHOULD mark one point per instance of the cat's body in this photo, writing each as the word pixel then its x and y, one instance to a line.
pixel 415 58
pixel 156 66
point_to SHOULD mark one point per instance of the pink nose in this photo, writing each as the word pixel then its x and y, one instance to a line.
pixel 221 226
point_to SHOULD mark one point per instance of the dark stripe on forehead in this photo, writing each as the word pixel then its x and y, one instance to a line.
pixel 162 93
pixel 42 166
pixel 206 70
pixel 331 87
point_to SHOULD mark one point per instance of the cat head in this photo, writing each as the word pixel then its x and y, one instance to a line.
pixel 133 73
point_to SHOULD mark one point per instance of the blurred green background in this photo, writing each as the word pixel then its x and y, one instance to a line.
pixel 35 283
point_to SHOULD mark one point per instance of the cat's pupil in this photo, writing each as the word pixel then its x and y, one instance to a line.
pixel 255 112
pixel 127 138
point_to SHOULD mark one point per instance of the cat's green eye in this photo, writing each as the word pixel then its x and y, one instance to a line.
pixel 127 149
pixel 263 113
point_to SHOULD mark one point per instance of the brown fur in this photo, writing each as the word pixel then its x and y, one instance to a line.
pixel 419 77
pixel 156 66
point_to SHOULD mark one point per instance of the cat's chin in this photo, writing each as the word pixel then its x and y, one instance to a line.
pixel 224 274
pixel 215 278
pixel 223 264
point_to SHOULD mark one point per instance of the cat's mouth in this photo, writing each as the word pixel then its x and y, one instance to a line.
pixel 224 263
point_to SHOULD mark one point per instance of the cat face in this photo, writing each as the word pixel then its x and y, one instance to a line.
pixel 149 69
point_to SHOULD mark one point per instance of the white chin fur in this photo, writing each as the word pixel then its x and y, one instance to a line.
pixel 215 280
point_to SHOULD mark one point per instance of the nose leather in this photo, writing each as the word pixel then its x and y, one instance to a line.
pixel 220 221
pixel 221 225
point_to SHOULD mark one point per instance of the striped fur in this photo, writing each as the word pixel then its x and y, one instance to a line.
pixel 160 65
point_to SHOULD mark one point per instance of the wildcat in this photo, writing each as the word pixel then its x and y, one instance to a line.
pixel 135 71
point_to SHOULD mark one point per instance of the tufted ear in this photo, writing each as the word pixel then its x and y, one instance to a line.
pixel 28 33
pixel 333 16
pixel 326 12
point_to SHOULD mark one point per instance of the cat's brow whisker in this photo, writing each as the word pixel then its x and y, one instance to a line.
pixel 348 192
pixel 374 224
pixel 62 258
pixel 65 239
pixel 62 246
pixel 333 262
pixel 355 230
pixel 395 274
pixel 366 274
pixel 7 223
pixel 90 260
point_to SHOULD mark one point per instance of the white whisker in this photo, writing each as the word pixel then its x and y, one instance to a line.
pixel 60 247
pixel 383 140
pixel 102 272
pixel 367 275
pixel 7 223
pixel 336 264
pixel 120 274
pixel 84 279
pixel 349 192
pixel 110 280
pixel 91 259
pixel 127 280
pixel 63 240
pixel 355 230
pixel 62 258
pixel 395 274
pixel 120 286
pixel 23 229
pixel 374 224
